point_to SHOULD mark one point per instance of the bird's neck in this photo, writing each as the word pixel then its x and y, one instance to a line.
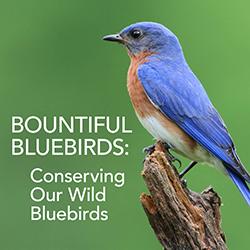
pixel 135 61
pixel 136 92
pixel 135 89
pixel 140 57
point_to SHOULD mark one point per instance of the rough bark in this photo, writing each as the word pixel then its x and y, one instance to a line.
pixel 180 218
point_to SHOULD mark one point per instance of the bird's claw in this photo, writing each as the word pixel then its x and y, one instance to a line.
pixel 170 156
pixel 174 159
pixel 149 150
pixel 179 162
pixel 184 182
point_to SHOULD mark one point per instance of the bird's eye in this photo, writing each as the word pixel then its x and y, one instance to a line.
pixel 136 34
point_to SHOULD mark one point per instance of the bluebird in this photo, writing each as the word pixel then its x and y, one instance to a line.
pixel 171 103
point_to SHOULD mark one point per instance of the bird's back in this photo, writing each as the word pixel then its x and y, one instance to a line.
pixel 174 89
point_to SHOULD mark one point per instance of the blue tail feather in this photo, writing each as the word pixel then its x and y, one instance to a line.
pixel 241 185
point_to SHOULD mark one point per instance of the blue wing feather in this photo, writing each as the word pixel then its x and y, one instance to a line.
pixel 241 184
pixel 180 96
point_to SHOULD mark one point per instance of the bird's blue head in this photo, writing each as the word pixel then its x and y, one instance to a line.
pixel 148 37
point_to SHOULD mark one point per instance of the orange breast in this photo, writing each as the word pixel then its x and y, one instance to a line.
pixel 140 101
pixel 143 106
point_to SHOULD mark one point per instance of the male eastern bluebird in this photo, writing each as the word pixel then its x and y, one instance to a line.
pixel 171 103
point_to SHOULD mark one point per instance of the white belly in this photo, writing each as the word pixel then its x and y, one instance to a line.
pixel 160 132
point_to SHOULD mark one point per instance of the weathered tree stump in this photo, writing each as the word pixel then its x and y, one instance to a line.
pixel 180 218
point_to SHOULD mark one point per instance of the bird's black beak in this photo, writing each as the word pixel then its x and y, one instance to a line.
pixel 113 38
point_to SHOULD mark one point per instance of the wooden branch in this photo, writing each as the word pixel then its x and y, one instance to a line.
pixel 180 218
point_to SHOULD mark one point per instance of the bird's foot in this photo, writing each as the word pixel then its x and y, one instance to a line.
pixel 184 182
pixel 149 150
pixel 171 157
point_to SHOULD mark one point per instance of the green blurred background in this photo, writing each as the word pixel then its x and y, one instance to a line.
pixel 53 62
